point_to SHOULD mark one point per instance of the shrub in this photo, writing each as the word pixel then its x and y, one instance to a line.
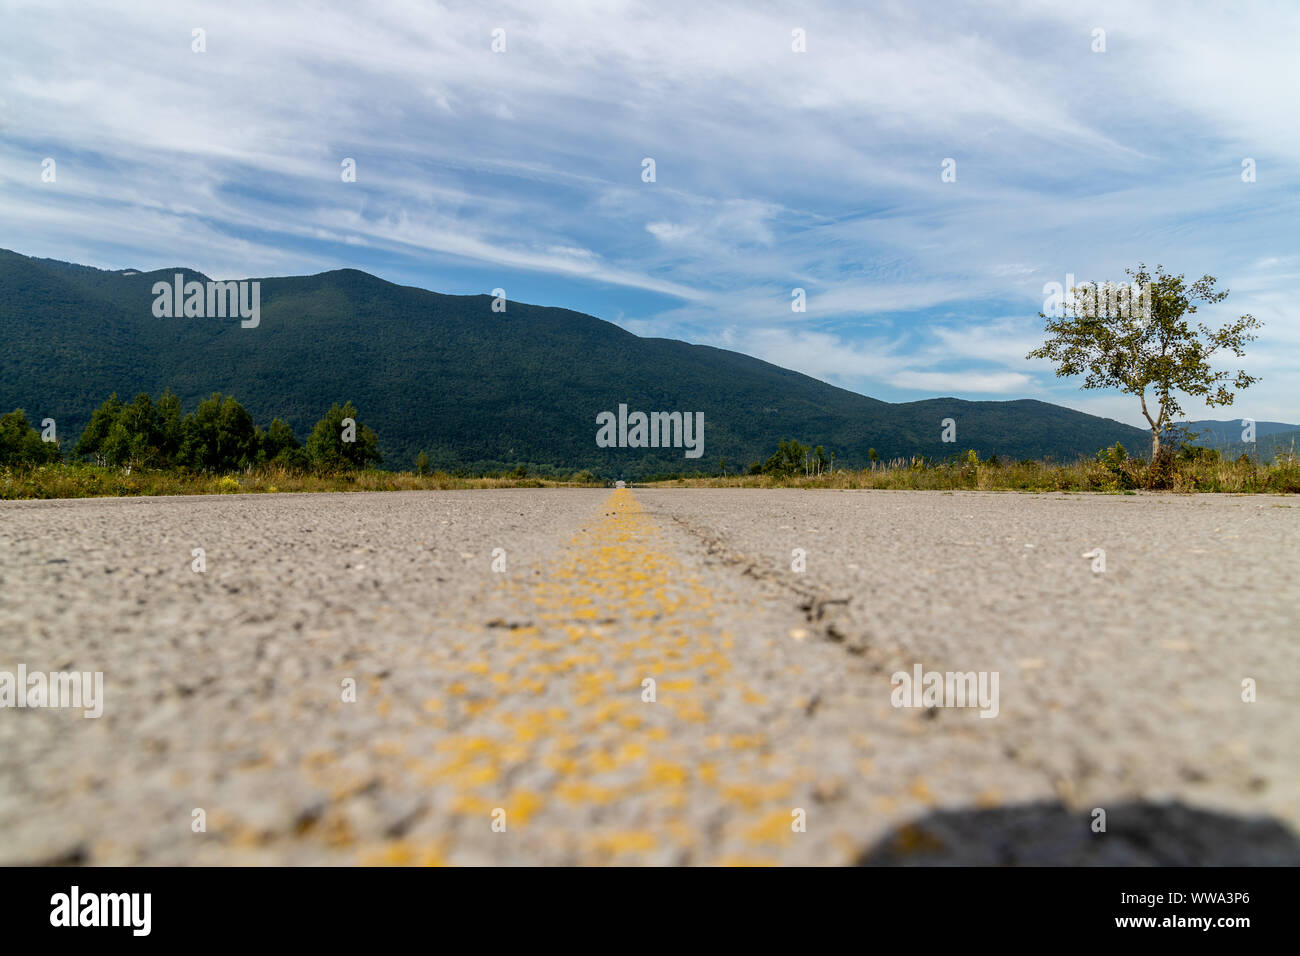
pixel 1163 470
pixel 1198 453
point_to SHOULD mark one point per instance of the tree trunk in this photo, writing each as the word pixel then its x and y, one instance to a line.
pixel 1155 445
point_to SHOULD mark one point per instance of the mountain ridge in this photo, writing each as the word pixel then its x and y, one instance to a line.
pixel 471 387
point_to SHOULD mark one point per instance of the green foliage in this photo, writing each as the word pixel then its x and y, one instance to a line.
pixel 220 436
pixel 788 459
pixel 281 448
pixel 793 458
pixel 136 435
pixel 335 446
pixel 20 443
pixel 144 433
pixel 422 463
pixel 91 442
pixel 1113 457
pixel 1124 473
pixel 1188 452
pixel 1149 349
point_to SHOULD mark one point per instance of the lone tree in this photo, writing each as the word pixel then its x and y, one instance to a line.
pixel 1142 343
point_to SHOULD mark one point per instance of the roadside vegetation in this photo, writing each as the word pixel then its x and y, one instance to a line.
pixel 147 447
pixel 77 480
pixel 1189 469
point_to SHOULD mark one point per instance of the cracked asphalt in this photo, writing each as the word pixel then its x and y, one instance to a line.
pixel 586 676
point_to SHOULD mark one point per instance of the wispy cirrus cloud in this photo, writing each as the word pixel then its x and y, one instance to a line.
pixel 774 169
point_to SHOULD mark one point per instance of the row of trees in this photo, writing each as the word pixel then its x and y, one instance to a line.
pixel 219 436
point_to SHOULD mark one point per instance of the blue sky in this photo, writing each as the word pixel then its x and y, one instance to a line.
pixel 774 169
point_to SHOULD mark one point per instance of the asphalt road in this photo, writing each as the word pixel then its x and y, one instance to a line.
pixel 502 715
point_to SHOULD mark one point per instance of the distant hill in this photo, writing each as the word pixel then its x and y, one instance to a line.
pixel 1226 432
pixel 471 387
pixel 1271 438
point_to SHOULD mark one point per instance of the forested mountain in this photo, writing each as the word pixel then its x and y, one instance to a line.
pixel 471 387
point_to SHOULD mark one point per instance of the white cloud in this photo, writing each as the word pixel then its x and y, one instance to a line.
pixel 774 169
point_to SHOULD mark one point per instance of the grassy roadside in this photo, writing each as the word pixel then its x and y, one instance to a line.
pixel 64 480
pixel 1116 477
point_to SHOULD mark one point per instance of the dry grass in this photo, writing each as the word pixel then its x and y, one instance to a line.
pixel 90 481
pixel 1240 477
pixel 1282 477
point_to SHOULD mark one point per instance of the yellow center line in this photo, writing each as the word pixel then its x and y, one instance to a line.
pixel 561 737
